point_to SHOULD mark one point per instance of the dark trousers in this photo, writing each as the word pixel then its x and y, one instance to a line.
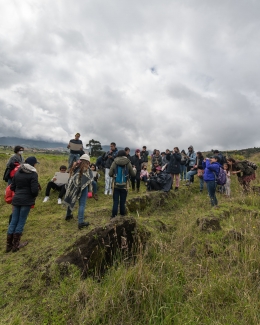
pixel 192 176
pixel 119 197
pixel 52 185
pixel 153 185
pixel 137 179
pixel 211 187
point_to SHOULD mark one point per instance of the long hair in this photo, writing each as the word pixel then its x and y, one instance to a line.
pixel 80 166
pixel 233 163
pixel 178 150
pixel 200 156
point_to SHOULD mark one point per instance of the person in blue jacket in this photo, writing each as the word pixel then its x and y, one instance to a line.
pixel 211 171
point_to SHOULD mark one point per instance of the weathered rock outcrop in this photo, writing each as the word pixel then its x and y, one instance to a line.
pixel 94 252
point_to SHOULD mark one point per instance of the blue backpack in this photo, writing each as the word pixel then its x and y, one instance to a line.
pixel 221 179
pixel 121 176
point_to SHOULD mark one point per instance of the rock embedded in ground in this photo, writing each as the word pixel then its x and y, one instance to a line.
pixel 206 224
pixel 96 251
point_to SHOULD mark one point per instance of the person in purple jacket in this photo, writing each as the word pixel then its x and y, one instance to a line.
pixel 211 171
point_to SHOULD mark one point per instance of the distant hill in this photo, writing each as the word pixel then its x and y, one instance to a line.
pixel 30 143
pixel 40 144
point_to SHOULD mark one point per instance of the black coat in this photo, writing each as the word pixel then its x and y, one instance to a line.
pixel 173 166
pixel 26 187
pixel 165 181
pixel 135 161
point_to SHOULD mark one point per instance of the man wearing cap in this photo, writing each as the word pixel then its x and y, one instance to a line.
pixel 25 185
pixel 75 154
pixel 136 161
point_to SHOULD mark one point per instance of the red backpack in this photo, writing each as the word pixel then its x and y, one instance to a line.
pixel 9 194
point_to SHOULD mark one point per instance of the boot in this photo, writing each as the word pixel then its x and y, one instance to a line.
pixel 95 197
pixel 176 189
pixel 82 225
pixel 67 218
pixel 16 242
pixel 9 243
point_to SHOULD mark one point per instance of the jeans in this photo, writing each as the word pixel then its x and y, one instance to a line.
pixel 108 182
pixel 119 195
pixel 19 217
pixel 144 179
pixel 82 205
pixel 183 171
pixel 211 186
pixel 190 175
pixel 72 158
pixel 94 185
pixel 201 183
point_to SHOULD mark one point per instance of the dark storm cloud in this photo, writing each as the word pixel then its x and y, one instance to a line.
pixel 134 72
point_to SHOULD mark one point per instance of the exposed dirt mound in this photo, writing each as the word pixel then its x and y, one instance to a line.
pixel 95 252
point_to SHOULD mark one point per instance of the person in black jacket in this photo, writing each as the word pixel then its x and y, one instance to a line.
pixel 136 161
pixel 173 166
pixel 25 185
pixel 144 154
pixel 160 181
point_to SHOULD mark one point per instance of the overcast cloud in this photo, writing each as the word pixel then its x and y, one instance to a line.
pixel 157 73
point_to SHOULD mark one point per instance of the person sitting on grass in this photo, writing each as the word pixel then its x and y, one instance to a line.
pixel 144 175
pixel 60 187
pixel 161 181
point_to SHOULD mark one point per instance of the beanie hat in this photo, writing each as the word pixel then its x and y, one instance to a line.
pixel 85 157
pixel 31 161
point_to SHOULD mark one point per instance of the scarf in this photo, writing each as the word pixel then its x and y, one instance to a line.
pixel 76 186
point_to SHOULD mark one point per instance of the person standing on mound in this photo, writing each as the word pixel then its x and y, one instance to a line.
pixel 120 169
pixel 26 187
pixel 80 180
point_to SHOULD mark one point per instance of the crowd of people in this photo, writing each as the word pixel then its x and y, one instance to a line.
pixel 122 171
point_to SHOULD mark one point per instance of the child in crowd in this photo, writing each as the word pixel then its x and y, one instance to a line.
pixel 228 181
pixel 144 175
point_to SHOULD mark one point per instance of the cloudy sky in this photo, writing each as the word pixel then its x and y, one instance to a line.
pixel 157 73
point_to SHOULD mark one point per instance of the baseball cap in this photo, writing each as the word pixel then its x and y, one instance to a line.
pixel 31 161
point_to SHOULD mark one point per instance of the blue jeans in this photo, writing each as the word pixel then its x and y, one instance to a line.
pixel 119 194
pixel 211 186
pixel 183 171
pixel 19 217
pixel 144 179
pixel 72 158
pixel 94 185
pixel 201 183
pixel 190 173
pixel 82 205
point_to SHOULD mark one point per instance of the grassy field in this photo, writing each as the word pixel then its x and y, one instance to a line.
pixel 184 276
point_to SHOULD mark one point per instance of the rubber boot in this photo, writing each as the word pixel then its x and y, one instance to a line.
pixel 9 243
pixel 16 242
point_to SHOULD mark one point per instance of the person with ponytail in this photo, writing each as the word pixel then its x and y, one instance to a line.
pixel 79 183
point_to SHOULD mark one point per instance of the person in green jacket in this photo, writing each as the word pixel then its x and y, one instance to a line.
pixel 120 170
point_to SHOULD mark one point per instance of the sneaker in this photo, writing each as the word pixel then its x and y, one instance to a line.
pixel 59 201
pixel 105 193
pixel 176 189
pixel 110 192
pixel 83 224
pixel 95 197
pixel 46 199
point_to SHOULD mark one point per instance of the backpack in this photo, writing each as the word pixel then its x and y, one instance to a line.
pixel 9 194
pixel 251 164
pixel 121 176
pixel 221 179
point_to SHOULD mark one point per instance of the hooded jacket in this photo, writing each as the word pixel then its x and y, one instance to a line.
pixel 25 185
pixel 192 157
pixel 211 171
pixel 164 179
pixel 121 161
